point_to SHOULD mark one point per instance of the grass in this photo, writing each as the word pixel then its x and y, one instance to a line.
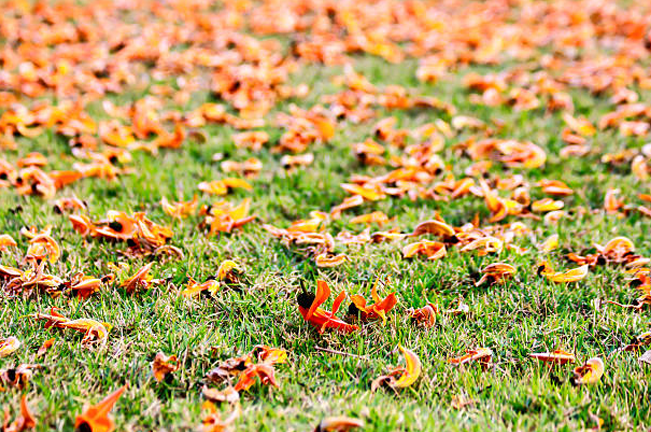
pixel 524 315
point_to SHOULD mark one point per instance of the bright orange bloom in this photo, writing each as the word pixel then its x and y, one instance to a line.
pixel 309 307
pixel 96 418
pixel 379 309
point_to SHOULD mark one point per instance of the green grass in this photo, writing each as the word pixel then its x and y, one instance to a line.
pixel 526 314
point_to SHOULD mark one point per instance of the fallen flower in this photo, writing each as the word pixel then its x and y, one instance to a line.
pixel 17 377
pixel 223 186
pixel 9 346
pixel 212 421
pixel 6 241
pixel 425 315
pixel 569 276
pixel 45 347
pixel 94 331
pixel 309 307
pixel 265 372
pixel 401 377
pixel 638 342
pixel 433 250
pixel 338 424
pixel 194 288
pixel 180 209
pixel 483 355
pixel 259 363
pixel 549 244
pixel 164 365
pixel 140 280
pixel 590 372
pixel 229 394
pixel 496 273
pixel 329 260
pixel 436 227
pixel 376 217
pixel 558 356
pixel 379 309
pixel 95 417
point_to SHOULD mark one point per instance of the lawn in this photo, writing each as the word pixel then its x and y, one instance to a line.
pixel 547 75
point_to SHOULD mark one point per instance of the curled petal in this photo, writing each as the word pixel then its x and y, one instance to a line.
pixel 590 372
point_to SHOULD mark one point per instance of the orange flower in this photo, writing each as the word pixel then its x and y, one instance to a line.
pixel 569 276
pixel 84 286
pixel 328 260
pixel 379 309
pixel 348 203
pixel 612 204
pixel 309 307
pixel 140 280
pixel 338 424
pixel 289 162
pixel 247 371
pixel 406 376
pixel 483 355
pixel 496 273
pixel 41 247
pixel 376 217
pixel 6 241
pixel 546 205
pixel 164 365
pixel 212 422
pixel 638 342
pixel 32 159
pixel 590 372
pixel 25 421
pixel 425 315
pixel 45 347
pixel 94 331
pixel 369 193
pixel 222 187
pixel 9 346
pixel 555 357
pixel 33 181
pixel 95 418
pixel 433 226
pixel 555 187
pixel 433 250
pixel 253 140
pixel 264 372
pixel 17 377
pixel 62 205
pixel 225 217
pixel 249 168
pixel 549 244
pixel 193 288
pixel 180 209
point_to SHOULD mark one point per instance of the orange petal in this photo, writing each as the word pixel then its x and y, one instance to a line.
pixel 95 418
